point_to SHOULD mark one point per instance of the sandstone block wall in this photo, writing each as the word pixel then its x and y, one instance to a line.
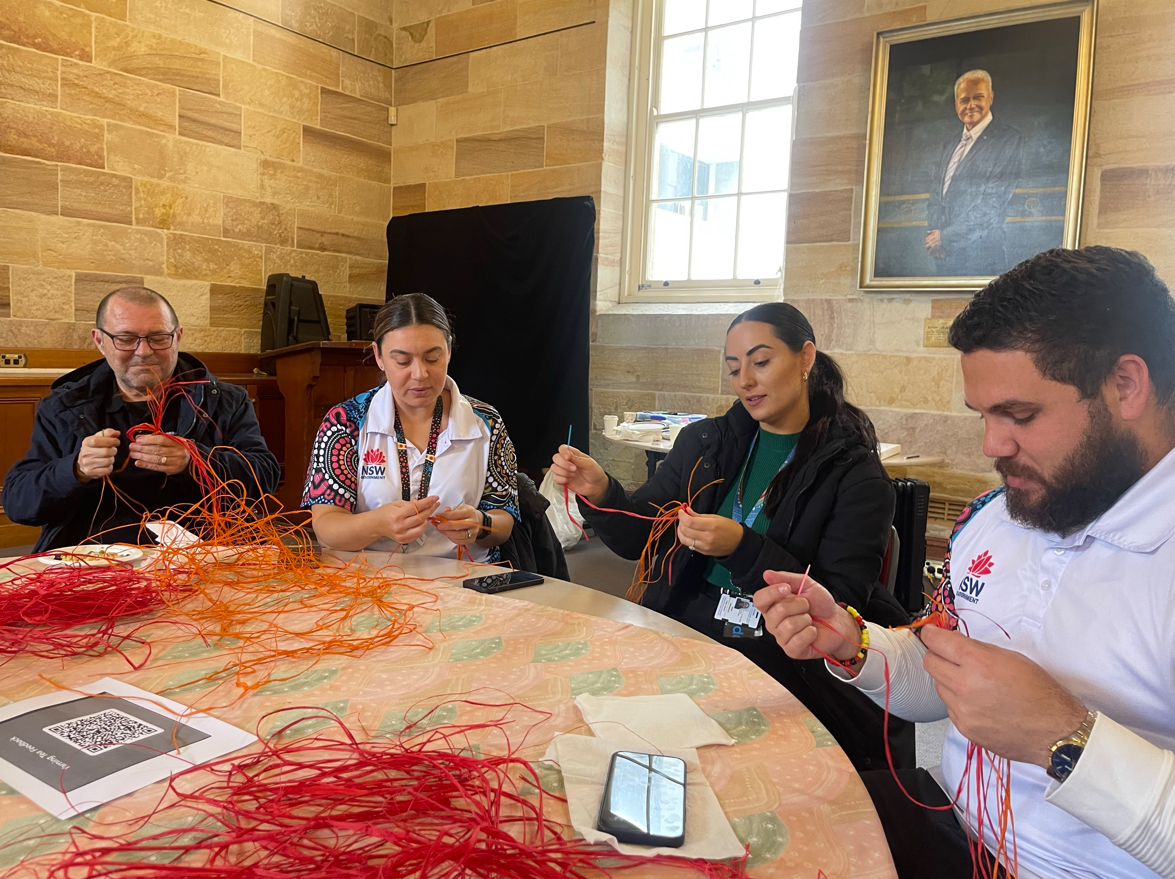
pixel 195 148
pixel 514 100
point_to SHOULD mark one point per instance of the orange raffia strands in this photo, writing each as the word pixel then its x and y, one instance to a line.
pixel 250 585
pixel 664 522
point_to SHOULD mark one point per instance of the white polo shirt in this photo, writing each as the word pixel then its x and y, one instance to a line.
pixel 458 475
pixel 354 465
pixel 1096 610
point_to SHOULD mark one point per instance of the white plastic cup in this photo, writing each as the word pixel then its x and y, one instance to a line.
pixel 610 425
pixel 674 430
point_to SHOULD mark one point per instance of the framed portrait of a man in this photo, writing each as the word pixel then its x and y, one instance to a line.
pixel 976 147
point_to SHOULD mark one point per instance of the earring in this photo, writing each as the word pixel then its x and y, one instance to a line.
pixel 804 376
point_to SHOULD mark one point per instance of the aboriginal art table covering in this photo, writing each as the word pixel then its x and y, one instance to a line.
pixel 786 787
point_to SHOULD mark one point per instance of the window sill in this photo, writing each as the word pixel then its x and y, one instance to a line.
pixel 731 307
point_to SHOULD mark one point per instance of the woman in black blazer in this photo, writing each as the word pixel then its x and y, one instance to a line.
pixel 796 482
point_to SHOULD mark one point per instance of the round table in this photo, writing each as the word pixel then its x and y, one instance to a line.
pixel 786 787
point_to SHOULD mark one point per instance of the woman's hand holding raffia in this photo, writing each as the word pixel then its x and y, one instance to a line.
pixel 405 521
pixel 459 524
pixel 580 473
pixel 707 534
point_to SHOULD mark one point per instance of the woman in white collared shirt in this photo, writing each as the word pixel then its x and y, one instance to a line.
pixel 412 465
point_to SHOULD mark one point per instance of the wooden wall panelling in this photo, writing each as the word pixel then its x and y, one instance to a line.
pixel 313 378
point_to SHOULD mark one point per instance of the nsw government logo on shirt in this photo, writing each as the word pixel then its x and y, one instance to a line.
pixel 972 584
pixel 375 465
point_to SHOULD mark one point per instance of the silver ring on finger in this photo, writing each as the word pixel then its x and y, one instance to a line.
pixel 468 533
pixel 163 460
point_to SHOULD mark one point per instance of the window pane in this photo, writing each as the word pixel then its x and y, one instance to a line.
pixel 683 15
pixel 777 54
pixel 681 73
pixel 669 241
pixel 767 154
pixel 713 255
pixel 722 11
pixel 728 53
pixel 719 139
pixel 673 160
pixel 766 7
pixel 762 229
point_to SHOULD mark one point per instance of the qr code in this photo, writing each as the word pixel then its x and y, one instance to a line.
pixel 102 731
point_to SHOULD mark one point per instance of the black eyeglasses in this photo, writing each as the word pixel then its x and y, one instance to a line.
pixel 130 342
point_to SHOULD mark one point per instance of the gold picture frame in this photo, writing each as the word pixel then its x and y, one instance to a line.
pixel 1041 71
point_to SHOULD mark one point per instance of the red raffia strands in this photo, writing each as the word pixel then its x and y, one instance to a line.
pixel 73 611
pixel 984 774
pixel 422 805
pixel 664 522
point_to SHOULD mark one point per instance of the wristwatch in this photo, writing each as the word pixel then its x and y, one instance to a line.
pixel 487 523
pixel 1065 753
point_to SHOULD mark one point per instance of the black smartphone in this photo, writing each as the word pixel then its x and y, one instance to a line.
pixel 644 799
pixel 494 583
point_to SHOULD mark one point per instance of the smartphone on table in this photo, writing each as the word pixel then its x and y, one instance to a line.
pixel 492 584
pixel 644 799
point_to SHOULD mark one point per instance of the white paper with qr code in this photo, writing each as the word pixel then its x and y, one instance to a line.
pixel 69 751
pixel 738 609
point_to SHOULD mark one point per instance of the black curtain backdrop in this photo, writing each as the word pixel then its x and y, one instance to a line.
pixel 517 280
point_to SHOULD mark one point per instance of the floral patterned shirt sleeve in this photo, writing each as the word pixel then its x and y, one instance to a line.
pixel 332 477
pixel 501 488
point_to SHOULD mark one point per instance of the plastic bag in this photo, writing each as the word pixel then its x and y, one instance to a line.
pixel 565 528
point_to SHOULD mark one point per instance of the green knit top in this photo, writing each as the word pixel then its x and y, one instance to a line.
pixel 770 453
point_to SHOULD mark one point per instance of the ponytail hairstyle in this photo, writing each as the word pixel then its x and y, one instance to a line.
pixel 408 310
pixel 827 405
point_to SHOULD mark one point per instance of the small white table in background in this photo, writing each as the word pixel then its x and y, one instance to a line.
pixel 655 450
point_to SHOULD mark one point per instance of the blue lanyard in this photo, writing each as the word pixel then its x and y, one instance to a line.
pixel 737 512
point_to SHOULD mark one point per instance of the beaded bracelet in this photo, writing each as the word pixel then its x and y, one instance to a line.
pixel 860 657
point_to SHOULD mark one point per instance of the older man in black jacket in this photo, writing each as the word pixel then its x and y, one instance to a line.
pixel 80 435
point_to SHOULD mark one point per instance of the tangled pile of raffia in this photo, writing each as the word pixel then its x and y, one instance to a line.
pixel 250 585
pixel 424 804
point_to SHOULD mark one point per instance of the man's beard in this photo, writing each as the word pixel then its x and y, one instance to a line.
pixel 1103 466
pixel 142 380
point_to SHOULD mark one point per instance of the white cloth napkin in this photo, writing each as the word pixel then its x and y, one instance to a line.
pixel 651 723
pixel 584 762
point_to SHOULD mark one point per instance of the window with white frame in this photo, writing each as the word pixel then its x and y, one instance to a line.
pixel 711 145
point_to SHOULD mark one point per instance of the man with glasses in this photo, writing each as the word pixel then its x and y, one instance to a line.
pixel 80 435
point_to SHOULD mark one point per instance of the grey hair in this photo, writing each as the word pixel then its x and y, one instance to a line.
pixel 975 74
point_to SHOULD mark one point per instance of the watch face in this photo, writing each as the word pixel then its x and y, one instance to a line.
pixel 1064 759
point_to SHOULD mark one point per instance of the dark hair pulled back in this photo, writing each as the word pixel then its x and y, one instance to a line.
pixel 1076 313
pixel 827 405
pixel 410 310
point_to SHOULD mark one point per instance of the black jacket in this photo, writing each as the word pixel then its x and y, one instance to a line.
pixel 41 488
pixel 836 516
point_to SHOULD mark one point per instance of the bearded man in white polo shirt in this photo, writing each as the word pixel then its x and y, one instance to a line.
pixel 1054 642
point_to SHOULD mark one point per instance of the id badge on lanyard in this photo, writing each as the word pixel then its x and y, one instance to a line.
pixel 740 617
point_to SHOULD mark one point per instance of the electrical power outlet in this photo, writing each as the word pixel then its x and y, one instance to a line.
pixel 12 360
